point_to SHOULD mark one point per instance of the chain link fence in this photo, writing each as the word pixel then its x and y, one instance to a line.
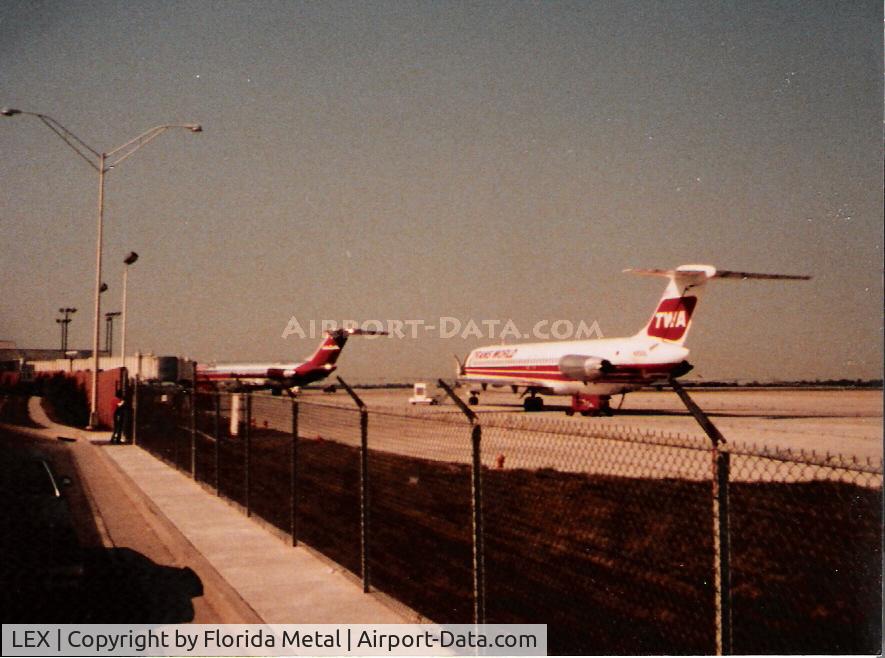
pixel 622 541
pixel 421 539
pixel 607 538
pixel 806 533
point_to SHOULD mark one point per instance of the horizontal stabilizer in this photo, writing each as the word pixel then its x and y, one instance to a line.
pixel 672 317
pixel 710 272
pixel 355 331
pixel 366 332
pixel 648 272
pixel 726 274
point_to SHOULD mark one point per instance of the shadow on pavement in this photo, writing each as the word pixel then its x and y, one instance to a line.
pixel 118 586
pixel 53 566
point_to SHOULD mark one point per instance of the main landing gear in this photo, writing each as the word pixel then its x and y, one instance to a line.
pixel 533 403
pixel 590 405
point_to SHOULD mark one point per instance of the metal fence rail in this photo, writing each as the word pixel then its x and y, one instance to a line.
pixel 623 542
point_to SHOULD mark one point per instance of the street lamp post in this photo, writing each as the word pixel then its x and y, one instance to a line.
pixel 129 260
pixel 102 162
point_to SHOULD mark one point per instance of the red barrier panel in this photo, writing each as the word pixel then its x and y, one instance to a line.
pixel 109 382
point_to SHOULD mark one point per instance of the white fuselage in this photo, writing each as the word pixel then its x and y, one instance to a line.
pixel 630 363
pixel 261 375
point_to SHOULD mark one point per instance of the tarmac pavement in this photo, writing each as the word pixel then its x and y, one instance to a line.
pixel 249 574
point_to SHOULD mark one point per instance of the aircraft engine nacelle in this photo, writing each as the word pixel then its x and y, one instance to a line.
pixel 275 373
pixel 583 368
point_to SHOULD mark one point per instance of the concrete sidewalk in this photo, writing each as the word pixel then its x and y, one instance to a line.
pixel 280 583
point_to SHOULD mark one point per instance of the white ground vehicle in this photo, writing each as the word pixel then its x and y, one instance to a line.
pixel 419 395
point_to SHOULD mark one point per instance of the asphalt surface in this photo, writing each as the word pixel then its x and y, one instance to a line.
pixel 803 435
pixel 160 548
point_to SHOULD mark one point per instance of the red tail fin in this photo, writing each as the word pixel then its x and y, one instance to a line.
pixel 329 350
pixel 672 318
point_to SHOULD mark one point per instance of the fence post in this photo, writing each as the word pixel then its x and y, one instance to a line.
pixel 178 402
pixel 135 412
pixel 236 409
pixel 247 448
pixel 193 428
pixel 364 483
pixel 217 433
pixel 720 493
pixel 293 476
pixel 721 544
pixel 479 594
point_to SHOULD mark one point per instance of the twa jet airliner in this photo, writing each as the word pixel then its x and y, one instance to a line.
pixel 280 376
pixel 591 371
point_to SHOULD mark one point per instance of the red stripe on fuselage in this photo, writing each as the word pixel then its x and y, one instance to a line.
pixel 619 373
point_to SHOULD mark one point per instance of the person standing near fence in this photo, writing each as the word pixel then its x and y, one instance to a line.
pixel 126 416
pixel 120 415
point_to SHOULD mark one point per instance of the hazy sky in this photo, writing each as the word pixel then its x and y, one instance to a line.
pixel 419 160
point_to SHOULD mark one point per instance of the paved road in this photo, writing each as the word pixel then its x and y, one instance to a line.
pixel 186 554
pixel 139 567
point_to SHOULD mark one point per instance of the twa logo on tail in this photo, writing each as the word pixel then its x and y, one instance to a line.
pixel 670 321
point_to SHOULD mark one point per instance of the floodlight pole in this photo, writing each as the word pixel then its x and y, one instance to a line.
pixel 61 324
pixel 99 162
pixel 129 260
pixel 64 322
pixel 123 330
pixel 93 394
pixel 109 318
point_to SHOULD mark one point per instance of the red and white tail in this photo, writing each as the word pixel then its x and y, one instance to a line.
pixel 672 317
pixel 330 349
